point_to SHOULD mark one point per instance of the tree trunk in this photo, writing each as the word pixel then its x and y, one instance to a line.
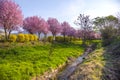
pixel 70 38
pixel 64 38
pixel 45 38
pixel 9 34
pixel 5 30
pixel 54 37
pixel 39 35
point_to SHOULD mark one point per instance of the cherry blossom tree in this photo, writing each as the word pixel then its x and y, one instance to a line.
pixel 10 16
pixel 43 27
pixel 71 32
pixel 45 30
pixel 79 33
pixel 55 26
pixel 36 24
pixel 31 24
pixel 65 28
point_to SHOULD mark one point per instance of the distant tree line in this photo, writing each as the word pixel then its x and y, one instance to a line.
pixel 109 26
pixel 11 18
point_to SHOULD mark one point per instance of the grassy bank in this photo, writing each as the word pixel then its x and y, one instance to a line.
pixel 21 61
pixel 91 69
pixel 102 64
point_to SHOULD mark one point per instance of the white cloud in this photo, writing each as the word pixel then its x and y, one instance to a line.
pixel 102 8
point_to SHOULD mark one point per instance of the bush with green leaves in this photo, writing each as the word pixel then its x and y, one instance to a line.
pixel 50 38
pixel 67 39
pixel 0 37
pixel 108 35
pixel 13 38
pixel 59 39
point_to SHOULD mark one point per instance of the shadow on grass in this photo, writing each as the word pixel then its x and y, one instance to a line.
pixel 102 64
pixel 111 70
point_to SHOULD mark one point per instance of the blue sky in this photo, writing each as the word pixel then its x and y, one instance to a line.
pixel 68 10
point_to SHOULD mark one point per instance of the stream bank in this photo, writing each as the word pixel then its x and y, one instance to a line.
pixel 65 70
pixel 65 74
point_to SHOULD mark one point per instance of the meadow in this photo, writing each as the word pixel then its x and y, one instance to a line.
pixel 22 61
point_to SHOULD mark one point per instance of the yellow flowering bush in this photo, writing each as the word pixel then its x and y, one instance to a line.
pixel 13 38
pixel 21 37
pixel 27 38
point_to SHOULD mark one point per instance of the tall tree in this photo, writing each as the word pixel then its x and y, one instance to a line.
pixel 86 26
pixel 55 27
pixel 36 24
pixel 10 16
pixel 65 28
pixel 31 24
pixel 79 33
pixel 46 30
pixel 42 27
pixel 118 17
pixel 108 28
pixel 71 32
pixel 102 22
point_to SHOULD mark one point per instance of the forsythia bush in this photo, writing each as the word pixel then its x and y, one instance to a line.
pixel 31 37
pixel 27 38
pixel 13 38
pixel 21 37
pixel 35 38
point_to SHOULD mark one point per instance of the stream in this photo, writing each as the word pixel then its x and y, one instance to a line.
pixel 64 71
pixel 65 74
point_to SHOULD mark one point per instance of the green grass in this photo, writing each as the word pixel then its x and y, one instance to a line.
pixel 102 64
pixel 24 61
pixel 91 68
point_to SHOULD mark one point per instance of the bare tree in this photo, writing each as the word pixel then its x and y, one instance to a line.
pixel 85 25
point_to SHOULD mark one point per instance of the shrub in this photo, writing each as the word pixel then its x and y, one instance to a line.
pixel 50 38
pixel 108 35
pixel 35 37
pixel 26 37
pixel 31 37
pixel 21 37
pixel 0 37
pixel 13 38
pixel 67 39
pixel 59 38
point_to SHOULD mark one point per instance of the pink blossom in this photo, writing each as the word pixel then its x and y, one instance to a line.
pixel 55 27
pixel 10 16
pixel 65 28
